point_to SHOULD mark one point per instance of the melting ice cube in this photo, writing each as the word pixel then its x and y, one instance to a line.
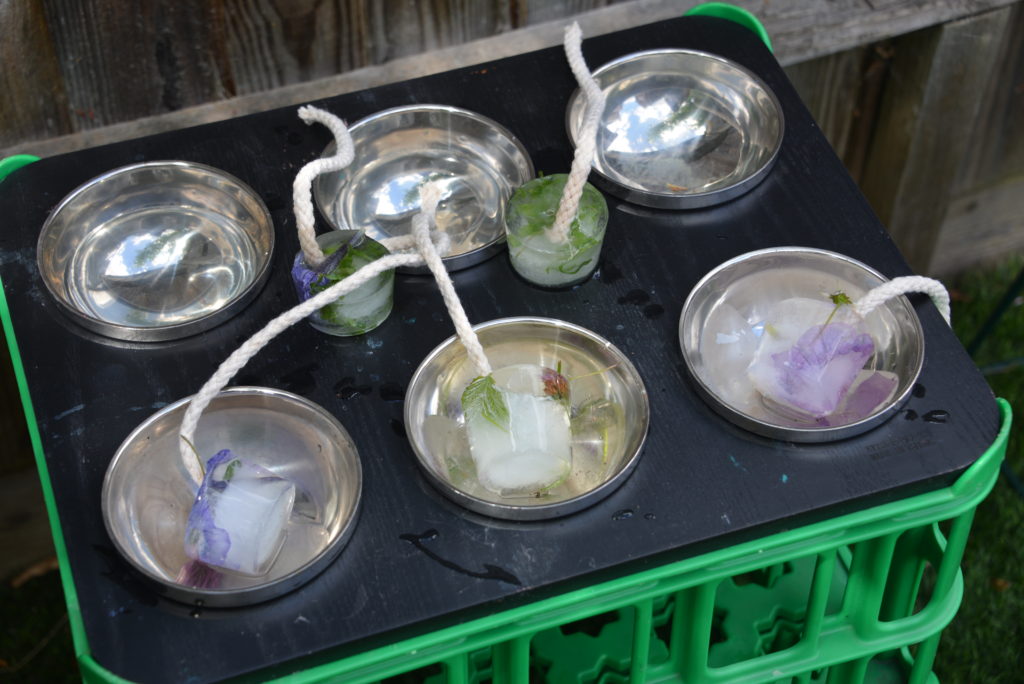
pixel 808 361
pixel 238 519
pixel 727 346
pixel 517 420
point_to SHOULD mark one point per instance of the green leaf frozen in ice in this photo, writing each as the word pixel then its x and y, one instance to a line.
pixel 482 397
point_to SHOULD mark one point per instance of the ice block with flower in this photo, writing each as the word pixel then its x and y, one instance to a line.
pixel 517 421
pixel 239 517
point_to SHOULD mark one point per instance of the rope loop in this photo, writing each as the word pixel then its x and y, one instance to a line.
pixel 302 189
pixel 905 285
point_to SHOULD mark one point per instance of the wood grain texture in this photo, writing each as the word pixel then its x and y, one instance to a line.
pixel 119 62
pixel 34 102
pixel 831 87
pixel 996 152
pixel 98 63
pixel 984 225
pixel 930 109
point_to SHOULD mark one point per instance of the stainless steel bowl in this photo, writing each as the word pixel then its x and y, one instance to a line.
pixel 681 129
pixel 733 298
pixel 156 251
pixel 598 373
pixel 148 493
pixel 477 162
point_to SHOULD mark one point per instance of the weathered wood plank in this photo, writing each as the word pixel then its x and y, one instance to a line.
pixel 981 226
pixel 803 30
pixel 118 64
pixel 832 87
pixel 930 108
pixel 34 103
pixel 159 57
pixel 996 151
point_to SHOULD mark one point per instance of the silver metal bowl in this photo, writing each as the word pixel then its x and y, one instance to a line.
pixel 599 375
pixel 681 129
pixel 156 251
pixel 734 297
pixel 148 493
pixel 477 162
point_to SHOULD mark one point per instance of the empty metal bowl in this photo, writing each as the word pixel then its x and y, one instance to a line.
pixel 724 317
pixel 156 251
pixel 610 415
pixel 681 129
pixel 148 493
pixel 476 161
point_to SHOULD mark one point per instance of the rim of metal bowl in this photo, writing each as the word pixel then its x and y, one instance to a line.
pixel 540 511
pixel 696 200
pixel 452 262
pixel 807 435
pixel 166 332
pixel 261 592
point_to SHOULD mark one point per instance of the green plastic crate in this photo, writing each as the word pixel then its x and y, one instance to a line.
pixel 860 597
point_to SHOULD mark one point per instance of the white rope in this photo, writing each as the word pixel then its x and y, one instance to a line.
pixel 254 344
pixel 430 195
pixel 429 247
pixel 586 141
pixel 302 194
pixel 905 285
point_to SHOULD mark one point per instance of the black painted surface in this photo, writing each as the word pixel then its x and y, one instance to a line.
pixel 416 562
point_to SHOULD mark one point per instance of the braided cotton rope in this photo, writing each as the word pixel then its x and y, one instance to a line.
pixel 905 285
pixel 302 194
pixel 254 344
pixel 586 142
pixel 429 197
pixel 429 247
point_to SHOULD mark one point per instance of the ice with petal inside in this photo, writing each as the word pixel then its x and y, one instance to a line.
pixel 809 355
pixel 239 517
pixel 517 421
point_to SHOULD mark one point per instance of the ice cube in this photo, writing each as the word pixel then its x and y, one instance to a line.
pixel 869 391
pixel 517 421
pixel 727 345
pixel 239 516
pixel 813 372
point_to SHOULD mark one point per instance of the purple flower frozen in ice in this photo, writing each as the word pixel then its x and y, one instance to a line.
pixel 305 277
pixel 199 575
pixel 555 384
pixel 238 519
pixel 815 373
pixel 203 539
pixel 863 399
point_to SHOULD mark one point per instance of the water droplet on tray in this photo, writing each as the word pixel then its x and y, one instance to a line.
pixel 636 297
pixel 653 310
pixel 938 416
pixel 624 514
pixel 392 391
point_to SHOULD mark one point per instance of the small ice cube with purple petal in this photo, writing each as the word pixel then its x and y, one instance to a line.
pixel 238 520
pixel 810 368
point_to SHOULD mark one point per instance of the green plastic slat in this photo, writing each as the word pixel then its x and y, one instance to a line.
pixel 724 10
pixel 9 165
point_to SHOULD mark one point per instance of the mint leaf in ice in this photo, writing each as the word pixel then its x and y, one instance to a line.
pixel 483 397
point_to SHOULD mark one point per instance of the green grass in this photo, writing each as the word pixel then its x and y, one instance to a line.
pixel 985 642
pixel 35 640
